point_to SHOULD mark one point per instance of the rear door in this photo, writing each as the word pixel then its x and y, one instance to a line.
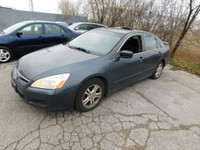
pixel 152 54
pixel 54 34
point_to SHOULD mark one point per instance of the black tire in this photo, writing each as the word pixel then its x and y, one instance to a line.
pixel 157 73
pixel 88 95
pixel 6 54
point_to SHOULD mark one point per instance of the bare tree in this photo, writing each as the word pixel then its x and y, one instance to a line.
pixel 192 14
pixel 68 7
pixel 169 19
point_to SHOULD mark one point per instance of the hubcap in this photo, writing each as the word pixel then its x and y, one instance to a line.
pixel 159 70
pixel 4 55
pixel 92 96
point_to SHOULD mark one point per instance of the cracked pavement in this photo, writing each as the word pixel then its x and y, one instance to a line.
pixel 150 115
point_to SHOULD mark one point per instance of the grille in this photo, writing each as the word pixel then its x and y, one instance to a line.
pixel 20 77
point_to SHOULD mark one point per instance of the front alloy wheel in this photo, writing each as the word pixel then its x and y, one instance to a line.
pixel 90 95
pixel 5 54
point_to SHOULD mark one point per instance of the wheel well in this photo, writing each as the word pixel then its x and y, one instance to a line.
pixel 163 61
pixel 105 84
pixel 103 79
pixel 7 47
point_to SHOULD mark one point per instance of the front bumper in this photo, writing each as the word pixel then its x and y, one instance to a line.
pixel 62 99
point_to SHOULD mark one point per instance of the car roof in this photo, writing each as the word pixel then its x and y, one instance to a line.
pixel 38 21
pixel 77 23
pixel 121 30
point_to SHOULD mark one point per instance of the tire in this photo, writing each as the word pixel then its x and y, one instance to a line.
pixel 157 73
pixel 6 54
pixel 89 95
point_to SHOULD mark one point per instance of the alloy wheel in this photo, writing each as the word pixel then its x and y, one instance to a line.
pixel 159 70
pixel 4 55
pixel 91 96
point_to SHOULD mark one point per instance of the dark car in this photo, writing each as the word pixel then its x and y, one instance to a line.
pixel 95 64
pixel 28 36
pixel 85 26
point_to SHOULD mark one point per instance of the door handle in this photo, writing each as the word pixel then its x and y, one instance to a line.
pixel 159 53
pixel 62 35
pixel 140 59
pixel 40 36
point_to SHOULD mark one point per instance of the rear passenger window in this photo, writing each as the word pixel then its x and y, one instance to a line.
pixel 53 29
pixel 150 42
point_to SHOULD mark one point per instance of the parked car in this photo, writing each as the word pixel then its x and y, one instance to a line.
pixel 62 23
pixel 95 64
pixel 85 26
pixel 28 36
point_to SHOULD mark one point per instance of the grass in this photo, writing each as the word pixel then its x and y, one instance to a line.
pixel 179 63
pixel 187 58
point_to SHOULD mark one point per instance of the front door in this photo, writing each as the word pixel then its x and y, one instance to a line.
pixel 128 70
pixel 30 40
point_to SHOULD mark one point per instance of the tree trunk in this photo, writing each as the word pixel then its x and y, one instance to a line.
pixel 187 25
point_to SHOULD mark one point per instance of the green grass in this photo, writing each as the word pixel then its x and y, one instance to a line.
pixel 192 67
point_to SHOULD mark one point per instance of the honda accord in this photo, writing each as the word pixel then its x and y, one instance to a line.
pixel 95 64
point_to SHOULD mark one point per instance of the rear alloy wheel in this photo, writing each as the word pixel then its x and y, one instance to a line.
pixel 90 95
pixel 157 73
pixel 5 54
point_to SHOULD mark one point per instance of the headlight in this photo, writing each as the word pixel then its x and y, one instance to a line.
pixel 51 82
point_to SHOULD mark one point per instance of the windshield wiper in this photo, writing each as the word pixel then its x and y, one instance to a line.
pixel 84 50
pixel 80 48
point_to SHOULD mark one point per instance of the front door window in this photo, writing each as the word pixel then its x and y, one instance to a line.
pixel 33 29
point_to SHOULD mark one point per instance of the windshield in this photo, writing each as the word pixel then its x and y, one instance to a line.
pixel 13 27
pixel 73 26
pixel 96 42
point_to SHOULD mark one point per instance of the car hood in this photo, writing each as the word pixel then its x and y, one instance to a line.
pixel 52 58
pixel 2 34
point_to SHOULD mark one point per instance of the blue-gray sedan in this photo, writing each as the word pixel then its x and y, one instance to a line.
pixel 79 74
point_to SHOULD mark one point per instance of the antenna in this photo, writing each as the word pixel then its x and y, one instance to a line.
pixel 31 5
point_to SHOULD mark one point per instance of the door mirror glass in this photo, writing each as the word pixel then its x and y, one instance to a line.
pixel 76 28
pixel 126 54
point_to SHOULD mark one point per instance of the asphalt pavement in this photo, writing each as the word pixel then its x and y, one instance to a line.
pixel 162 114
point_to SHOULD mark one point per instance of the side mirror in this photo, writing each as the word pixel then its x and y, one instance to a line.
pixel 126 54
pixel 19 34
pixel 165 43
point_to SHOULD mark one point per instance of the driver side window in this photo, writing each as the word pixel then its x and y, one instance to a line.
pixel 133 44
pixel 33 29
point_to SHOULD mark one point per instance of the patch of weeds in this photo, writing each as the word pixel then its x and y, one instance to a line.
pixel 181 64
